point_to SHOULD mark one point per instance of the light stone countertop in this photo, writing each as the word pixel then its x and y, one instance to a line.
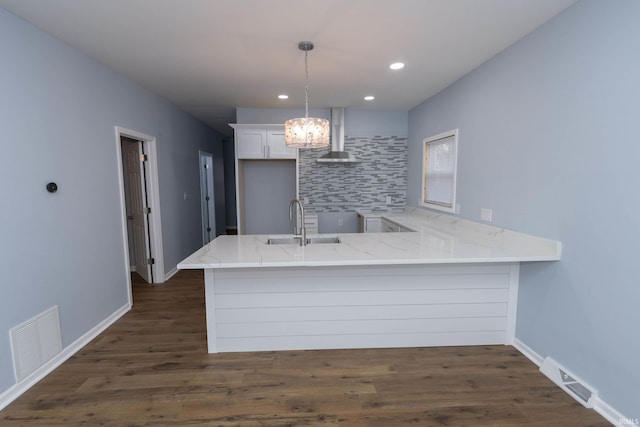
pixel 437 239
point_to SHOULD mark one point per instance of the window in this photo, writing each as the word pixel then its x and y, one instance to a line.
pixel 439 171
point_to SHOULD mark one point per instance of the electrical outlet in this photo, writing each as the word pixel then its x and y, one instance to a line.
pixel 340 222
pixel 486 214
pixel 306 201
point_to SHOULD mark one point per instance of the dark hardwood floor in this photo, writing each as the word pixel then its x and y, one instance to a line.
pixel 151 368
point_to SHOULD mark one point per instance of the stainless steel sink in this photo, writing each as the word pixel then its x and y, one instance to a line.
pixel 283 241
pixel 296 240
pixel 323 239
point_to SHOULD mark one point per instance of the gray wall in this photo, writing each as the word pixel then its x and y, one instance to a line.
pixel 549 141
pixel 58 110
pixel 269 187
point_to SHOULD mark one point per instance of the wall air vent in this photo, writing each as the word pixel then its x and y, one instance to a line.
pixel 567 381
pixel 35 342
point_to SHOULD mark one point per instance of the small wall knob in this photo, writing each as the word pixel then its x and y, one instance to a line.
pixel 52 187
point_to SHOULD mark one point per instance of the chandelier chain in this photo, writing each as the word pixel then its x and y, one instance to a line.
pixel 306 86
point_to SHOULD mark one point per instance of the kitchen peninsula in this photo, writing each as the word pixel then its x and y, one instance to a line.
pixel 449 282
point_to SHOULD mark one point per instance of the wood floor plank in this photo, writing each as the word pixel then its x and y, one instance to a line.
pixel 151 368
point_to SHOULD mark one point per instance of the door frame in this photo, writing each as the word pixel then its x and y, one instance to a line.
pixel 136 202
pixel 153 197
pixel 212 213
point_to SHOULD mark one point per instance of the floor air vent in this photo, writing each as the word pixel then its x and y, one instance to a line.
pixel 35 342
pixel 577 388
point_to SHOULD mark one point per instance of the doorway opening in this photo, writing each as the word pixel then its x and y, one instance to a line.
pixel 140 206
pixel 207 198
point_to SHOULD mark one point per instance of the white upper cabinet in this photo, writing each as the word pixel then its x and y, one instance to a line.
pixel 262 142
pixel 276 146
pixel 251 143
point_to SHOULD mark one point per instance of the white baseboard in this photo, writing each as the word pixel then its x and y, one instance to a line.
pixel 613 416
pixel 15 391
pixel 170 273
pixel 599 405
pixel 528 352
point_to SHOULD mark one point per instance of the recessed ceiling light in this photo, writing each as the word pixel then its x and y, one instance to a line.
pixel 283 96
pixel 369 98
pixel 397 66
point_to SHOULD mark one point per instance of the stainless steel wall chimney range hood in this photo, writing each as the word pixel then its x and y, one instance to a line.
pixel 337 153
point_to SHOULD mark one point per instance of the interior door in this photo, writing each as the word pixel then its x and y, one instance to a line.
pixel 207 198
pixel 138 209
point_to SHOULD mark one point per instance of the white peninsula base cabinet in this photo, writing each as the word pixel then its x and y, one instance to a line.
pixel 448 282
pixel 360 307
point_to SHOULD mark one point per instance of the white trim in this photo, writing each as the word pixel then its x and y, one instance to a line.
pixel 239 175
pixel 123 215
pixel 15 391
pixel 153 194
pixel 448 134
pixel 209 297
pixel 610 414
pixel 202 154
pixel 528 352
pixel 267 126
pixel 170 273
pixel 512 313
pixel 600 406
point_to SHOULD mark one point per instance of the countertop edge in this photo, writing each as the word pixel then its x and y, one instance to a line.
pixel 360 263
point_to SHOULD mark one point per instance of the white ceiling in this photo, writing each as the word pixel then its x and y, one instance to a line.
pixel 211 56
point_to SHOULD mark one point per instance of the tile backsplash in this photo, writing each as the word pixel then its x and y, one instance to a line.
pixel 381 172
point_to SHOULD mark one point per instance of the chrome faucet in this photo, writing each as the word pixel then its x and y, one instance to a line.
pixel 303 231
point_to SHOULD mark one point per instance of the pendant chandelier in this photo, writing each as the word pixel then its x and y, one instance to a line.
pixel 306 132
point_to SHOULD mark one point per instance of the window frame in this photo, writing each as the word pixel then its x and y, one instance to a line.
pixel 424 202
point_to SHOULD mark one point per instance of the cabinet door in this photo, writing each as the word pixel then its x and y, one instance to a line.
pixel 372 225
pixel 251 143
pixel 389 227
pixel 277 148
